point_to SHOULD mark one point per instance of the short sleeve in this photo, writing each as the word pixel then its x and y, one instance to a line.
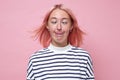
pixel 89 69
pixel 30 71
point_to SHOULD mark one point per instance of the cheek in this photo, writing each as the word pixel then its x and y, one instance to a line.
pixel 67 29
pixel 50 28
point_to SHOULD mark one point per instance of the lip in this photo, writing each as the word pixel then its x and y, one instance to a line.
pixel 59 33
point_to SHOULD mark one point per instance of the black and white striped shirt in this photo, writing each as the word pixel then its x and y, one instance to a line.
pixel 60 63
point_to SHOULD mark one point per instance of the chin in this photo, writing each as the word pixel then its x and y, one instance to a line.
pixel 61 42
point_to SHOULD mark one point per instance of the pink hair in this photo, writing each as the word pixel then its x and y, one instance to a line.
pixel 75 36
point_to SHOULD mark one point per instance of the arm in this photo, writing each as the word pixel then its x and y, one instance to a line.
pixel 30 74
pixel 89 69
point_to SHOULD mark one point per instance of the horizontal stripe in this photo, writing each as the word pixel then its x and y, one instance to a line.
pixel 58 58
pixel 60 54
pixel 49 64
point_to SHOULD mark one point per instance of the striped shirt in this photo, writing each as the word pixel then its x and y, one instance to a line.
pixel 60 63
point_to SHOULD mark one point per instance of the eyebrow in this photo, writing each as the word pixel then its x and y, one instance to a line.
pixel 56 18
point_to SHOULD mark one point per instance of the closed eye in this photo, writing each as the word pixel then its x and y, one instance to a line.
pixel 53 22
pixel 64 22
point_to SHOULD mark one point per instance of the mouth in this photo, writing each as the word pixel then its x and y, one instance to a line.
pixel 59 34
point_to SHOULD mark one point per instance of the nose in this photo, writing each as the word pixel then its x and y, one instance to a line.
pixel 59 27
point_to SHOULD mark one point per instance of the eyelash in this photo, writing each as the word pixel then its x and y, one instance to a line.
pixel 64 22
pixel 54 22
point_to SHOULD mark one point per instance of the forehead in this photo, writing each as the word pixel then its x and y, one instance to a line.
pixel 58 13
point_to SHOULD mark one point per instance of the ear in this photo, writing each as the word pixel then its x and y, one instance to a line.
pixel 71 28
pixel 47 27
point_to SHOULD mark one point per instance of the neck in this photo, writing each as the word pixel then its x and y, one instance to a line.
pixel 59 44
pixel 59 49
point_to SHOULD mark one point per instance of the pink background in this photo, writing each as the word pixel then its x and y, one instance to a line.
pixel 100 19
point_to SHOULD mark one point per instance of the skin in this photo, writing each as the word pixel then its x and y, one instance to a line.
pixel 59 27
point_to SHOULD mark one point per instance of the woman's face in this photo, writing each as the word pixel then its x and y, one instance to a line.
pixel 59 26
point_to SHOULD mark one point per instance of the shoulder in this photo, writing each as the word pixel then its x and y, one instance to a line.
pixel 40 53
pixel 80 52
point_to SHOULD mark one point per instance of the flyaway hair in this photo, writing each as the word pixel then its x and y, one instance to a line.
pixel 75 36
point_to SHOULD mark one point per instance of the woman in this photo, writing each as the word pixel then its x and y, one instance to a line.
pixel 61 57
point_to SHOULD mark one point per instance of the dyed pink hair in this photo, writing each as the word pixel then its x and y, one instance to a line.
pixel 75 36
